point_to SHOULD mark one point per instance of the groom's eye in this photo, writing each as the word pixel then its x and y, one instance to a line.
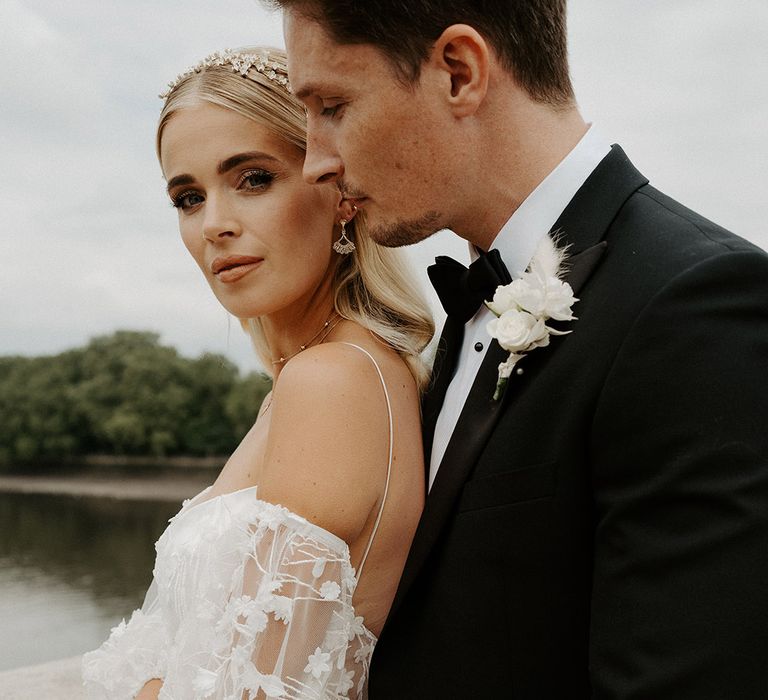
pixel 331 109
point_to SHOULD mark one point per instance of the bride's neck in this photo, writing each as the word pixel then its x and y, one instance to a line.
pixel 287 335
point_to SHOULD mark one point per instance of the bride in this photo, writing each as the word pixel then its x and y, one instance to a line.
pixel 275 581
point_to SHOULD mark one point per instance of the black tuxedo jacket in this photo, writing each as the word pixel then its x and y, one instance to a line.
pixel 602 530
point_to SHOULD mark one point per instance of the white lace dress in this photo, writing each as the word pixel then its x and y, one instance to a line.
pixel 249 600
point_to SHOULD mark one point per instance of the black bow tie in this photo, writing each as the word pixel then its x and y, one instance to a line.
pixel 462 290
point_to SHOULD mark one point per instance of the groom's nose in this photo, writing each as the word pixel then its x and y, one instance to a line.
pixel 322 162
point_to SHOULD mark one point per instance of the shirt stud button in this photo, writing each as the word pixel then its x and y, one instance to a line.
pixel 478 347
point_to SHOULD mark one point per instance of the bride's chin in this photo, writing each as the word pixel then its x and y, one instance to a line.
pixel 244 312
pixel 255 302
pixel 238 306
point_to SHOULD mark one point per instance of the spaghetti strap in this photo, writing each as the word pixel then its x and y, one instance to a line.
pixel 389 464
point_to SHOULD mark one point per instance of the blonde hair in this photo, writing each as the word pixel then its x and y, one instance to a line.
pixel 373 286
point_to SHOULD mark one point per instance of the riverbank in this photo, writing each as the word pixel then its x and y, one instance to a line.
pixel 55 680
pixel 182 462
pixel 140 487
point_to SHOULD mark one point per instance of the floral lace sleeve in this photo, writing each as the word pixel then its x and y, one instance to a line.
pixel 249 601
pixel 133 655
pixel 287 629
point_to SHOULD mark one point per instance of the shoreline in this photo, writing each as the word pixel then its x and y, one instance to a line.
pixel 163 487
pixel 55 680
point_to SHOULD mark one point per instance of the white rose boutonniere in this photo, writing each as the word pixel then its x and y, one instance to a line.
pixel 523 307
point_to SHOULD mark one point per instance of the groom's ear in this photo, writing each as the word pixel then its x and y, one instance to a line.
pixel 462 58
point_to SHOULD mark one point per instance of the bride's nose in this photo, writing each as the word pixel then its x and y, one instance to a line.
pixel 219 221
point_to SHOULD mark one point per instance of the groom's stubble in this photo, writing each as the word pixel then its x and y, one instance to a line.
pixel 400 232
pixel 403 233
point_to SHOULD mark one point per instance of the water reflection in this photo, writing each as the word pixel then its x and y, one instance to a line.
pixel 70 569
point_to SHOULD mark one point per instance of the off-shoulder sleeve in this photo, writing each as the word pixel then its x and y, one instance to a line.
pixel 133 654
pixel 287 628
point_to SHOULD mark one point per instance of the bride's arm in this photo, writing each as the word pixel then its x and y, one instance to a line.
pixel 133 654
pixel 150 691
pixel 325 462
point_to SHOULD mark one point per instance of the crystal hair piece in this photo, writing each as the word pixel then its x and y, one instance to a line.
pixel 241 63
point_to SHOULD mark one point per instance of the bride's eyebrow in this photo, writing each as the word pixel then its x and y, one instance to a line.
pixel 223 167
pixel 238 159
pixel 179 180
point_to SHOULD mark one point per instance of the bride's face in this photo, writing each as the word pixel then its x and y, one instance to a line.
pixel 259 233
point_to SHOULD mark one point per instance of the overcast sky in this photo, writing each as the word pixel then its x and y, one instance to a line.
pixel 90 243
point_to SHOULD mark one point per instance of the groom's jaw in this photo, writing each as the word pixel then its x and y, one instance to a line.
pixel 389 146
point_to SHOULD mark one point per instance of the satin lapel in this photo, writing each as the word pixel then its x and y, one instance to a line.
pixel 447 354
pixel 475 423
pixel 582 227
pixel 582 265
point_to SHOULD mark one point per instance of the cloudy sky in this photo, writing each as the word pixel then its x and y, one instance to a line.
pixel 89 240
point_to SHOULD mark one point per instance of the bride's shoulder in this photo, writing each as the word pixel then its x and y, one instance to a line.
pixel 339 363
pixel 328 438
pixel 334 385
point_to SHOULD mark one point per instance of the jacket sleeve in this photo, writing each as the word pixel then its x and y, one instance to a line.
pixel 680 477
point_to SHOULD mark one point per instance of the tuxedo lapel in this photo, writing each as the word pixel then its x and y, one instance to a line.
pixel 581 227
pixel 475 423
pixel 446 356
pixel 473 429
pixel 585 221
pixel 581 266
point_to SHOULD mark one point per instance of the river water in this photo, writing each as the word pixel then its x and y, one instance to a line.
pixel 70 569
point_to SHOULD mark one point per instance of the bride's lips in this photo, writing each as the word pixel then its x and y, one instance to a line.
pixel 232 267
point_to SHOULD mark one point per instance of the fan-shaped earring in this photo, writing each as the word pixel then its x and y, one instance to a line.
pixel 344 246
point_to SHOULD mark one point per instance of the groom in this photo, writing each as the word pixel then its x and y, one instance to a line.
pixel 601 529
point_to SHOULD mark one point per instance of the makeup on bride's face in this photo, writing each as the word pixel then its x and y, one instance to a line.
pixel 260 234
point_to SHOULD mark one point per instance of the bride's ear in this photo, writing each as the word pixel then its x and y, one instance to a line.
pixel 346 210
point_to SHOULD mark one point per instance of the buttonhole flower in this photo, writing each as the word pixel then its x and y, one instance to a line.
pixel 523 307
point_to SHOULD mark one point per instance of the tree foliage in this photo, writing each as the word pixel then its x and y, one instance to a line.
pixel 124 394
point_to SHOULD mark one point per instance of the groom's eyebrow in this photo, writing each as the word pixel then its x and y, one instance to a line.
pixel 307 91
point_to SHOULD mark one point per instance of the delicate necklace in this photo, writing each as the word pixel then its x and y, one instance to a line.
pixel 320 336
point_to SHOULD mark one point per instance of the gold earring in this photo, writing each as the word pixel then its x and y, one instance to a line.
pixel 344 246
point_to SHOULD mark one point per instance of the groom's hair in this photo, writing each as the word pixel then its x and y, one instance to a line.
pixel 529 36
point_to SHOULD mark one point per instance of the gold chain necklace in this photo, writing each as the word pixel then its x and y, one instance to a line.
pixel 325 331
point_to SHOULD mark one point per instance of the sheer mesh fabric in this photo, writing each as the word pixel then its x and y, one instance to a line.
pixel 248 601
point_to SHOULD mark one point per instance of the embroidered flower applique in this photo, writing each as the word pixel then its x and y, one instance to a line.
pixel 205 682
pixel 330 590
pixel 318 663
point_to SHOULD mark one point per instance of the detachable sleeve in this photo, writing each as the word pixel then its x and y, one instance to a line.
pixel 287 628
pixel 134 653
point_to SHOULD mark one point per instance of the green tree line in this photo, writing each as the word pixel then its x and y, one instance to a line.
pixel 123 394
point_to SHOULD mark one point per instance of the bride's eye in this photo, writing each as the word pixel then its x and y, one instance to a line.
pixel 187 200
pixel 254 180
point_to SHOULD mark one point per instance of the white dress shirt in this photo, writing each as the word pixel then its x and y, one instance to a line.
pixel 516 242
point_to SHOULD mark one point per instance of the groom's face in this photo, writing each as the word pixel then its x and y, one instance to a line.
pixel 381 141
